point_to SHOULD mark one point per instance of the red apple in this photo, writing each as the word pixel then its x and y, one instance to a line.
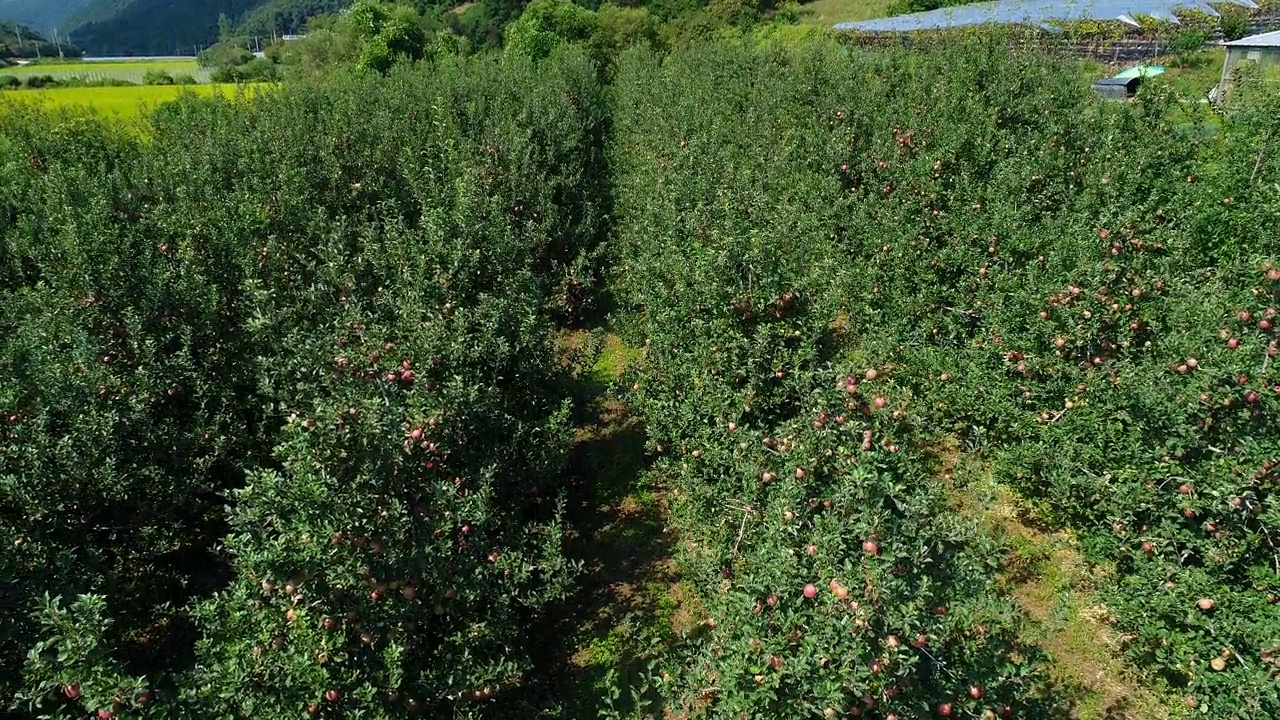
pixel 870 547
pixel 72 691
pixel 332 695
pixel 944 710
pixel 975 692
pixel 810 591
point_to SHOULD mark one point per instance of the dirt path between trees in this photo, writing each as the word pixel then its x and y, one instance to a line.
pixel 593 646
pixel 1054 585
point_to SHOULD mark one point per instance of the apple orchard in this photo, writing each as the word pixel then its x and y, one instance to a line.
pixel 289 419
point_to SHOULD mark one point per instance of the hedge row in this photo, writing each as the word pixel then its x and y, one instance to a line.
pixel 835 577
pixel 838 263
pixel 284 422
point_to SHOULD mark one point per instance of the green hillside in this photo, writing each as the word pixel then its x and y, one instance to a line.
pixel 151 27
pixel 285 16
pixel 20 42
pixel 43 15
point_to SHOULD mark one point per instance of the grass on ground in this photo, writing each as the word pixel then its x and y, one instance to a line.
pixel 1054 585
pixel 594 645
pixel 1197 73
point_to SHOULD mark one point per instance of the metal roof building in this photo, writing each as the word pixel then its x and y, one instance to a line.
pixel 1262 49
pixel 1271 39
pixel 1041 13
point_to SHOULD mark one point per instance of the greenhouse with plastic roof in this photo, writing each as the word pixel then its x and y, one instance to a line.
pixel 1045 14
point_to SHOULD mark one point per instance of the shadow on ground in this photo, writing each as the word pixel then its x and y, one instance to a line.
pixel 615 527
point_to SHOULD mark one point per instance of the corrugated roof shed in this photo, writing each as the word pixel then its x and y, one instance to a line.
pixel 1271 39
pixel 1037 13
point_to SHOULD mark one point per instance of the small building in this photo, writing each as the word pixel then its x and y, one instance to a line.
pixel 1261 49
pixel 1124 85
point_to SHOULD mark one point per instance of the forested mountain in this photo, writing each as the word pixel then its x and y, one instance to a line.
pixel 42 15
pixel 160 27
pixel 285 16
pixel 20 41
pixel 184 27
pixel 152 27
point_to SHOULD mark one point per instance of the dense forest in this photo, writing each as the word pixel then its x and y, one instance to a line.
pixel 43 15
pixel 152 27
pixel 159 27
pixel 284 16
pixel 20 42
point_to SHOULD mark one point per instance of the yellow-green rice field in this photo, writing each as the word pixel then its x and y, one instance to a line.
pixel 124 102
